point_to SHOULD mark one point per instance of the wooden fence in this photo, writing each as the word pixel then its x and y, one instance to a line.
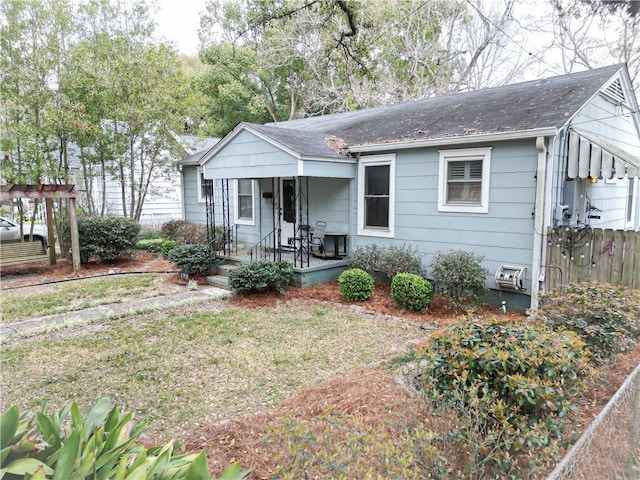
pixel 584 254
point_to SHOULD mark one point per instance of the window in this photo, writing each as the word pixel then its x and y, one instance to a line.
pixel 464 180
pixel 203 185
pixel 630 198
pixel 244 201
pixel 376 187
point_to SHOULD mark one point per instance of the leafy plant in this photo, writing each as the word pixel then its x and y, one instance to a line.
pixel 459 274
pixel 167 246
pixel 607 317
pixel 355 285
pixel 514 384
pixel 261 276
pixel 411 292
pixel 150 245
pixel 389 260
pixel 197 259
pixel 104 237
pixel 103 445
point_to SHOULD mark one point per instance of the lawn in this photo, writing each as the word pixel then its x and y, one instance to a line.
pixel 187 367
pixel 30 302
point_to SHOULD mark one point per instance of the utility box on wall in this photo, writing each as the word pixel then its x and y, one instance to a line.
pixel 509 277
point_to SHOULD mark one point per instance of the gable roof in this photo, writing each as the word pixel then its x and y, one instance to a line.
pixel 197 146
pixel 522 109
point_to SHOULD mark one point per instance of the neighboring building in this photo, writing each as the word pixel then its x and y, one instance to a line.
pixel 486 171
pixel 164 200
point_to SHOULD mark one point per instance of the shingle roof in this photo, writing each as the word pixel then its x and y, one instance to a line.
pixel 543 103
pixel 306 143
pixel 198 145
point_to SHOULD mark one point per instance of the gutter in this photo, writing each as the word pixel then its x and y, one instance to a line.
pixel 538 221
pixel 454 140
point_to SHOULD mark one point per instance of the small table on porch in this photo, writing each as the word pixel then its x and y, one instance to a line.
pixel 339 240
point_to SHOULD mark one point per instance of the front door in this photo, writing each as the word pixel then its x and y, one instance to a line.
pixel 288 210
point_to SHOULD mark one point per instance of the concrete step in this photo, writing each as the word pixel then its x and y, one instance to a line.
pixel 226 268
pixel 220 281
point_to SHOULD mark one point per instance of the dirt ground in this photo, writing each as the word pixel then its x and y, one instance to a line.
pixel 368 392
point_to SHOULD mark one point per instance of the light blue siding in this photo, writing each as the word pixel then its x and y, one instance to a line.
pixel 194 211
pixel 502 236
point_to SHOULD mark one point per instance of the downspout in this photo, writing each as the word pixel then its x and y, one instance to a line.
pixel 538 222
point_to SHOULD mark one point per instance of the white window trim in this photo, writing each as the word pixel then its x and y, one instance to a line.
pixel 377 160
pixel 244 221
pixel 463 154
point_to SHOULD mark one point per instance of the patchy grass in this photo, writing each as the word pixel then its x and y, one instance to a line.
pixel 185 367
pixel 78 295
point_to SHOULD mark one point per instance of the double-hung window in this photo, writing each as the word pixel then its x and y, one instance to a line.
pixel 245 204
pixel 376 187
pixel 464 180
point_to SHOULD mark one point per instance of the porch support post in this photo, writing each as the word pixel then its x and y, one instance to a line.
pixel 48 202
pixel 75 236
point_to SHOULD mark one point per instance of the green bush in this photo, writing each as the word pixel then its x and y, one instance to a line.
pixel 508 383
pixel 411 292
pixel 355 285
pixel 607 317
pixel 173 230
pixel 196 258
pixel 151 235
pixel 388 261
pixel 167 246
pixel 186 232
pixel 150 245
pixel 104 237
pixel 459 274
pixel 104 444
pixel 261 276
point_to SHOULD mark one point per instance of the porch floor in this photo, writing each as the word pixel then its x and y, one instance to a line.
pixel 289 256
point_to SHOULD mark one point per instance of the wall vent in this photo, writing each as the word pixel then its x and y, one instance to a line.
pixel 615 91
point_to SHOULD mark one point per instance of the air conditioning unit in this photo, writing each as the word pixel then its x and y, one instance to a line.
pixel 509 277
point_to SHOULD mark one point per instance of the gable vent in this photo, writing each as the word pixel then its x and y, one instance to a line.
pixel 614 90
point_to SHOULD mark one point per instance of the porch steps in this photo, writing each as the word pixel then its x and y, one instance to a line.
pixel 221 277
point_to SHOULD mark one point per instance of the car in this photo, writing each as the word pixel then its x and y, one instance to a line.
pixel 10 232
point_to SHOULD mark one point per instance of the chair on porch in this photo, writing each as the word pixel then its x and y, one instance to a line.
pixel 317 240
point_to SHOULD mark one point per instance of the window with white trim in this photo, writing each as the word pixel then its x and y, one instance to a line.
pixel 464 180
pixel 203 185
pixel 376 195
pixel 245 204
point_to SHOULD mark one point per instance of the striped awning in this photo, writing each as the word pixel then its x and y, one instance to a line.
pixel 592 156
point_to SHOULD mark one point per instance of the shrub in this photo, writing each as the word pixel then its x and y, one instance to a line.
pixel 104 444
pixel 185 232
pixel 150 245
pixel 196 258
pixel 261 276
pixel 368 258
pixel 355 284
pixel 606 317
pixel 167 246
pixel 510 384
pixel 459 274
pixel 411 292
pixel 104 237
pixel 150 235
pixel 387 260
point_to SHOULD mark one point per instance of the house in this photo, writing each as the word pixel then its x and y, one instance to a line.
pixel 486 171
pixel 193 183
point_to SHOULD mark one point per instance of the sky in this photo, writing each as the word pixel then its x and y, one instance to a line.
pixel 178 22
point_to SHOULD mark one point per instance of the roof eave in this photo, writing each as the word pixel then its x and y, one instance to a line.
pixel 455 140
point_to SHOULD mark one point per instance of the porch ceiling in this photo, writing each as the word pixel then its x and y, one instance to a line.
pixel 592 156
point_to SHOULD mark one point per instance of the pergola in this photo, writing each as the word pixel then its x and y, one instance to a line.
pixel 49 192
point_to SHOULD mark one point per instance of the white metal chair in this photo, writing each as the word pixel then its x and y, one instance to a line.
pixel 317 240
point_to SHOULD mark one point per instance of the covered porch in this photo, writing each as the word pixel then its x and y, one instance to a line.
pixel 275 190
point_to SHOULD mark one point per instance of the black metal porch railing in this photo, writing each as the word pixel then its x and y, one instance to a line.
pixel 225 241
pixel 268 248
